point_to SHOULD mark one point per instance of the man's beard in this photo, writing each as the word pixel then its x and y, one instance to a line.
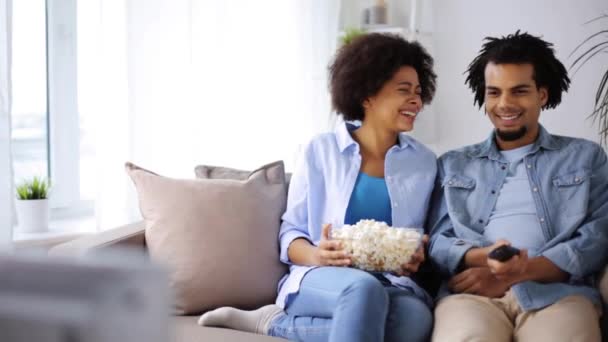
pixel 511 135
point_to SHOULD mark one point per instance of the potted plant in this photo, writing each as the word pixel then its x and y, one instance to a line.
pixel 33 205
pixel 350 34
pixel 596 45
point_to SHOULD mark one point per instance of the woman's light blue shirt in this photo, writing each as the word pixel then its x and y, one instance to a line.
pixel 323 182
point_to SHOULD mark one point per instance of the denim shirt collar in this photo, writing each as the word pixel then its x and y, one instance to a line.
pixel 489 149
pixel 345 139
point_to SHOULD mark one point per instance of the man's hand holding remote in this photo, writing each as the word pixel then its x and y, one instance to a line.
pixel 507 262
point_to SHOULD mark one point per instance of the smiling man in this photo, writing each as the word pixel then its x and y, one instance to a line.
pixel 543 194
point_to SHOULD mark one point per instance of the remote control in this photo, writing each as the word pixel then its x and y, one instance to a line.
pixel 503 253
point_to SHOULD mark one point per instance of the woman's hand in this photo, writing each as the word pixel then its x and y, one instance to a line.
pixel 330 252
pixel 417 259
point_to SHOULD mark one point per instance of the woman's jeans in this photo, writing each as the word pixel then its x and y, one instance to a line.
pixel 343 304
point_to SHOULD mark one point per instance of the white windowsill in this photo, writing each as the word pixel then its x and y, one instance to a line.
pixel 60 230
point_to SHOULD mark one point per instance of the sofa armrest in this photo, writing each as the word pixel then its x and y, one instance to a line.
pixel 127 235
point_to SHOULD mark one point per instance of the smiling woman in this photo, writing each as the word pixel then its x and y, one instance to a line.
pixel 369 170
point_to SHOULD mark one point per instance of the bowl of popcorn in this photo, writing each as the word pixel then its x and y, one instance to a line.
pixel 376 247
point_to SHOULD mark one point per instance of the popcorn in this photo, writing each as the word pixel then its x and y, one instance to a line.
pixel 377 247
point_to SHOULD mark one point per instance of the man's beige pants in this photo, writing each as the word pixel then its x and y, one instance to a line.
pixel 465 317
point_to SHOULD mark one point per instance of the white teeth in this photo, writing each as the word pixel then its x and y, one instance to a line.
pixel 405 112
pixel 513 117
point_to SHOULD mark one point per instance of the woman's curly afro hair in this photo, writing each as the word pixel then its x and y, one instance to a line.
pixel 363 66
pixel 520 48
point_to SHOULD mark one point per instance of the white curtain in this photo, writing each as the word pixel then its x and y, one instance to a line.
pixel 236 83
pixel 6 175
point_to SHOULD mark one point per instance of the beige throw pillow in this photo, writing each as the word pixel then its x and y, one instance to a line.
pixel 221 172
pixel 219 237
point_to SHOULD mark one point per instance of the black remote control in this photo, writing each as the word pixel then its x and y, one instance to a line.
pixel 503 253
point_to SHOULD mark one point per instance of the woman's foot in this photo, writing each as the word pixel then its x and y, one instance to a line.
pixel 256 321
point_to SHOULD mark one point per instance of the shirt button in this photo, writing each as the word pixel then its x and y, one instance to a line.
pixel 395 205
pixel 577 179
pixel 503 167
pixel 535 189
pixel 450 183
pixel 542 219
pixel 493 192
pixel 459 243
pixel 480 221
pixel 529 166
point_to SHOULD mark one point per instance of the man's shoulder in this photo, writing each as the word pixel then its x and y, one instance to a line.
pixel 461 153
pixel 574 143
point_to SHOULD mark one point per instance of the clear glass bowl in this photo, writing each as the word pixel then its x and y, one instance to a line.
pixel 376 247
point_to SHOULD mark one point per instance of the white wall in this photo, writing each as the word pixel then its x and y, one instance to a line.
pixel 460 26
pixel 351 12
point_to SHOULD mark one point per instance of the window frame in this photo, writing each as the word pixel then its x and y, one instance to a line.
pixel 62 110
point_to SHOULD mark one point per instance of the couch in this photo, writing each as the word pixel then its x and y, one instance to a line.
pixel 186 218
pixel 184 328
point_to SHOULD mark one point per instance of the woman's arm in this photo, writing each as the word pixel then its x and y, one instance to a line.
pixel 328 253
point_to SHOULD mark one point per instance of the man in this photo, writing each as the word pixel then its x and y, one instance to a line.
pixel 544 194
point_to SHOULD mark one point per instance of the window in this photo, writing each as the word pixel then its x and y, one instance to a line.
pixel 29 110
pixel 49 136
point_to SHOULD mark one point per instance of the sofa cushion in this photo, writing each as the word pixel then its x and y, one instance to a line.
pixel 185 329
pixel 218 237
pixel 221 172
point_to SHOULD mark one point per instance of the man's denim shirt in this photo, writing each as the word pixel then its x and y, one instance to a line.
pixel 569 183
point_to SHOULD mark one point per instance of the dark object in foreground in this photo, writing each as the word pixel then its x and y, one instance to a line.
pixel 503 253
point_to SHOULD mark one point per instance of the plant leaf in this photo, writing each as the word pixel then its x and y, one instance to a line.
pixel 594 19
pixel 602 114
pixel 588 52
pixel 36 188
pixel 601 87
pixel 604 49
pixel 586 40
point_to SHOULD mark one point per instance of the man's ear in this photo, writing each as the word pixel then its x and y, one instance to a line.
pixel 544 95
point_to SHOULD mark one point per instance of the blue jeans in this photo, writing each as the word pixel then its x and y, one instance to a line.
pixel 344 304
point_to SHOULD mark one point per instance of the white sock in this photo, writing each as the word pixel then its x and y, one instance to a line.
pixel 256 321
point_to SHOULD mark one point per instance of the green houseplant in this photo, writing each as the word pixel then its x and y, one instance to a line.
pixel 350 34
pixel 595 46
pixel 34 189
pixel 32 205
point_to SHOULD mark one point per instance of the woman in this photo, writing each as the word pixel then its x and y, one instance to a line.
pixel 371 171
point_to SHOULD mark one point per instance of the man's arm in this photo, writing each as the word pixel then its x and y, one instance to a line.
pixel 476 257
pixel 446 250
pixel 493 281
pixel 586 252
pixel 519 269
pixel 579 256
pixel 542 270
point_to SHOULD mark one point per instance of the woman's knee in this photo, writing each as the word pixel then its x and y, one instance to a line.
pixel 367 284
pixel 367 288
